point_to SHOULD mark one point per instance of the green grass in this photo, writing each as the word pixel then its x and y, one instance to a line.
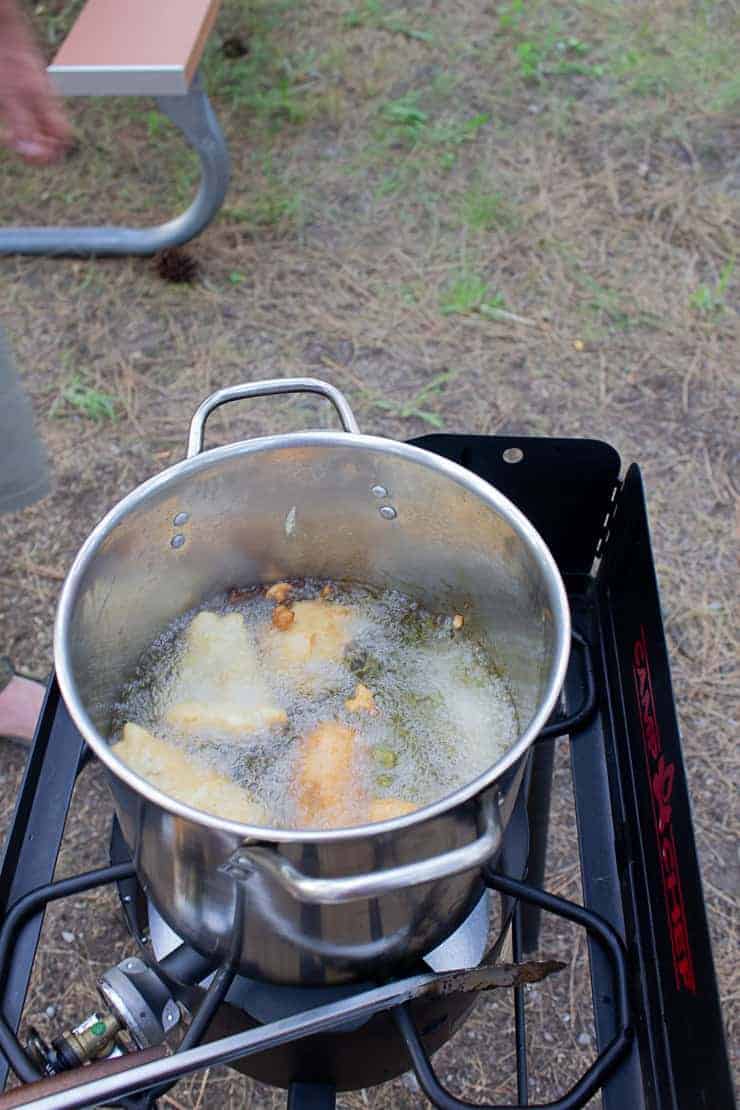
pixel 272 200
pixel 265 82
pixel 625 50
pixel 709 301
pixel 404 122
pixel 372 13
pixel 270 208
pixel 467 294
pixel 414 407
pixel 607 308
pixel 80 397
pixel 483 210
pixel 551 57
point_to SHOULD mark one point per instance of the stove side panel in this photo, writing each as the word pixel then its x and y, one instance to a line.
pixel 679 1022
pixel 564 486
pixel 32 844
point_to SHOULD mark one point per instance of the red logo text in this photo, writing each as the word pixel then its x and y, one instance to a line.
pixel 661 773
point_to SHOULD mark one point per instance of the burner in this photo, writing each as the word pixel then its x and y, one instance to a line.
pixel 352 1057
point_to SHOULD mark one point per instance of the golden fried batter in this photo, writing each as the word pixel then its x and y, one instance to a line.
pixel 362 700
pixel 279 592
pixel 220 685
pixel 319 633
pixel 282 617
pixel 194 717
pixel 185 778
pixel 326 784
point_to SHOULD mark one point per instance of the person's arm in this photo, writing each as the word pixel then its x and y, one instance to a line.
pixel 32 122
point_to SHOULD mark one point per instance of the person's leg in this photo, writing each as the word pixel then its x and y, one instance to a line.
pixel 24 474
pixel 24 478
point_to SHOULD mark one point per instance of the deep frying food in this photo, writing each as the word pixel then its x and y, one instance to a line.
pixel 220 685
pixel 318 634
pixel 325 786
pixel 184 778
pixel 315 704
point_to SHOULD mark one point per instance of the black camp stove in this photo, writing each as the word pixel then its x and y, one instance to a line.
pixel 659 1032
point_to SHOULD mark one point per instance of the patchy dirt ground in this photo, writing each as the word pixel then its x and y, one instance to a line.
pixel 514 217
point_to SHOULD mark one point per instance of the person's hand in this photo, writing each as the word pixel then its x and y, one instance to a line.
pixel 32 122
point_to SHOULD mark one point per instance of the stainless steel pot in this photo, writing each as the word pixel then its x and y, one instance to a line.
pixel 317 906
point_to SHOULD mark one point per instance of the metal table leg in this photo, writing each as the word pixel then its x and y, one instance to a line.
pixel 194 116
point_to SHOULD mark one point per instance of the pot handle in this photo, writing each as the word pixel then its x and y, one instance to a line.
pixel 265 859
pixel 266 389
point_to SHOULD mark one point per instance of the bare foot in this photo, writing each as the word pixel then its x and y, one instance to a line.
pixel 20 705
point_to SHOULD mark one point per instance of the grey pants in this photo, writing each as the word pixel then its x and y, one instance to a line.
pixel 24 474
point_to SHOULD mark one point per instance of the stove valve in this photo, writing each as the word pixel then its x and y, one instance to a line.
pixel 137 1000
pixel 140 1000
pixel 93 1038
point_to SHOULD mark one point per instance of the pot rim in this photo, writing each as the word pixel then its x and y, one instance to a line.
pixel 488 494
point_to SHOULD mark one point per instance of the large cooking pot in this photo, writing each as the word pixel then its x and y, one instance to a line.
pixel 322 906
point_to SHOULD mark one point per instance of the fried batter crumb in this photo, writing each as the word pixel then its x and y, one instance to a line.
pixel 282 617
pixel 362 700
pixel 279 592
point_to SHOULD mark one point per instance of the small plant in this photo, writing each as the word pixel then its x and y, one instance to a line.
pixel 484 211
pixel 555 58
pixel 156 123
pixel 511 15
pixel 455 132
pixel 707 301
pixel 410 125
pixel 569 53
pixel 531 59
pixel 406 118
pixel 91 403
pixel 407 410
pixel 467 294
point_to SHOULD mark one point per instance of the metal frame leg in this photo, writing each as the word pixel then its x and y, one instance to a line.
pixel 194 116
pixel 540 793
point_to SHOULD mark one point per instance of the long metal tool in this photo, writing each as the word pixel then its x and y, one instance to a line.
pixel 318 1020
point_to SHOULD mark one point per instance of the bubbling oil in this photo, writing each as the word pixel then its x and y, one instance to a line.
pixel 438 713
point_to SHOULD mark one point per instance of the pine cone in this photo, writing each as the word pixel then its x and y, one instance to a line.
pixel 175 264
pixel 234 47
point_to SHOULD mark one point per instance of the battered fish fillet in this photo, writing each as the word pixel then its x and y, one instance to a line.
pixel 319 633
pixel 220 687
pixel 186 779
pixel 195 717
pixel 325 784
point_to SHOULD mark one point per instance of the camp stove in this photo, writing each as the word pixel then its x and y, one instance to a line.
pixel 165 1012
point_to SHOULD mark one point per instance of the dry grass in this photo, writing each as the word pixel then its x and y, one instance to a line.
pixel 597 202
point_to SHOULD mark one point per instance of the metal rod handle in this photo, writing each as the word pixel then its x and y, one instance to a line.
pixel 265 859
pixel 267 389
pixel 193 115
